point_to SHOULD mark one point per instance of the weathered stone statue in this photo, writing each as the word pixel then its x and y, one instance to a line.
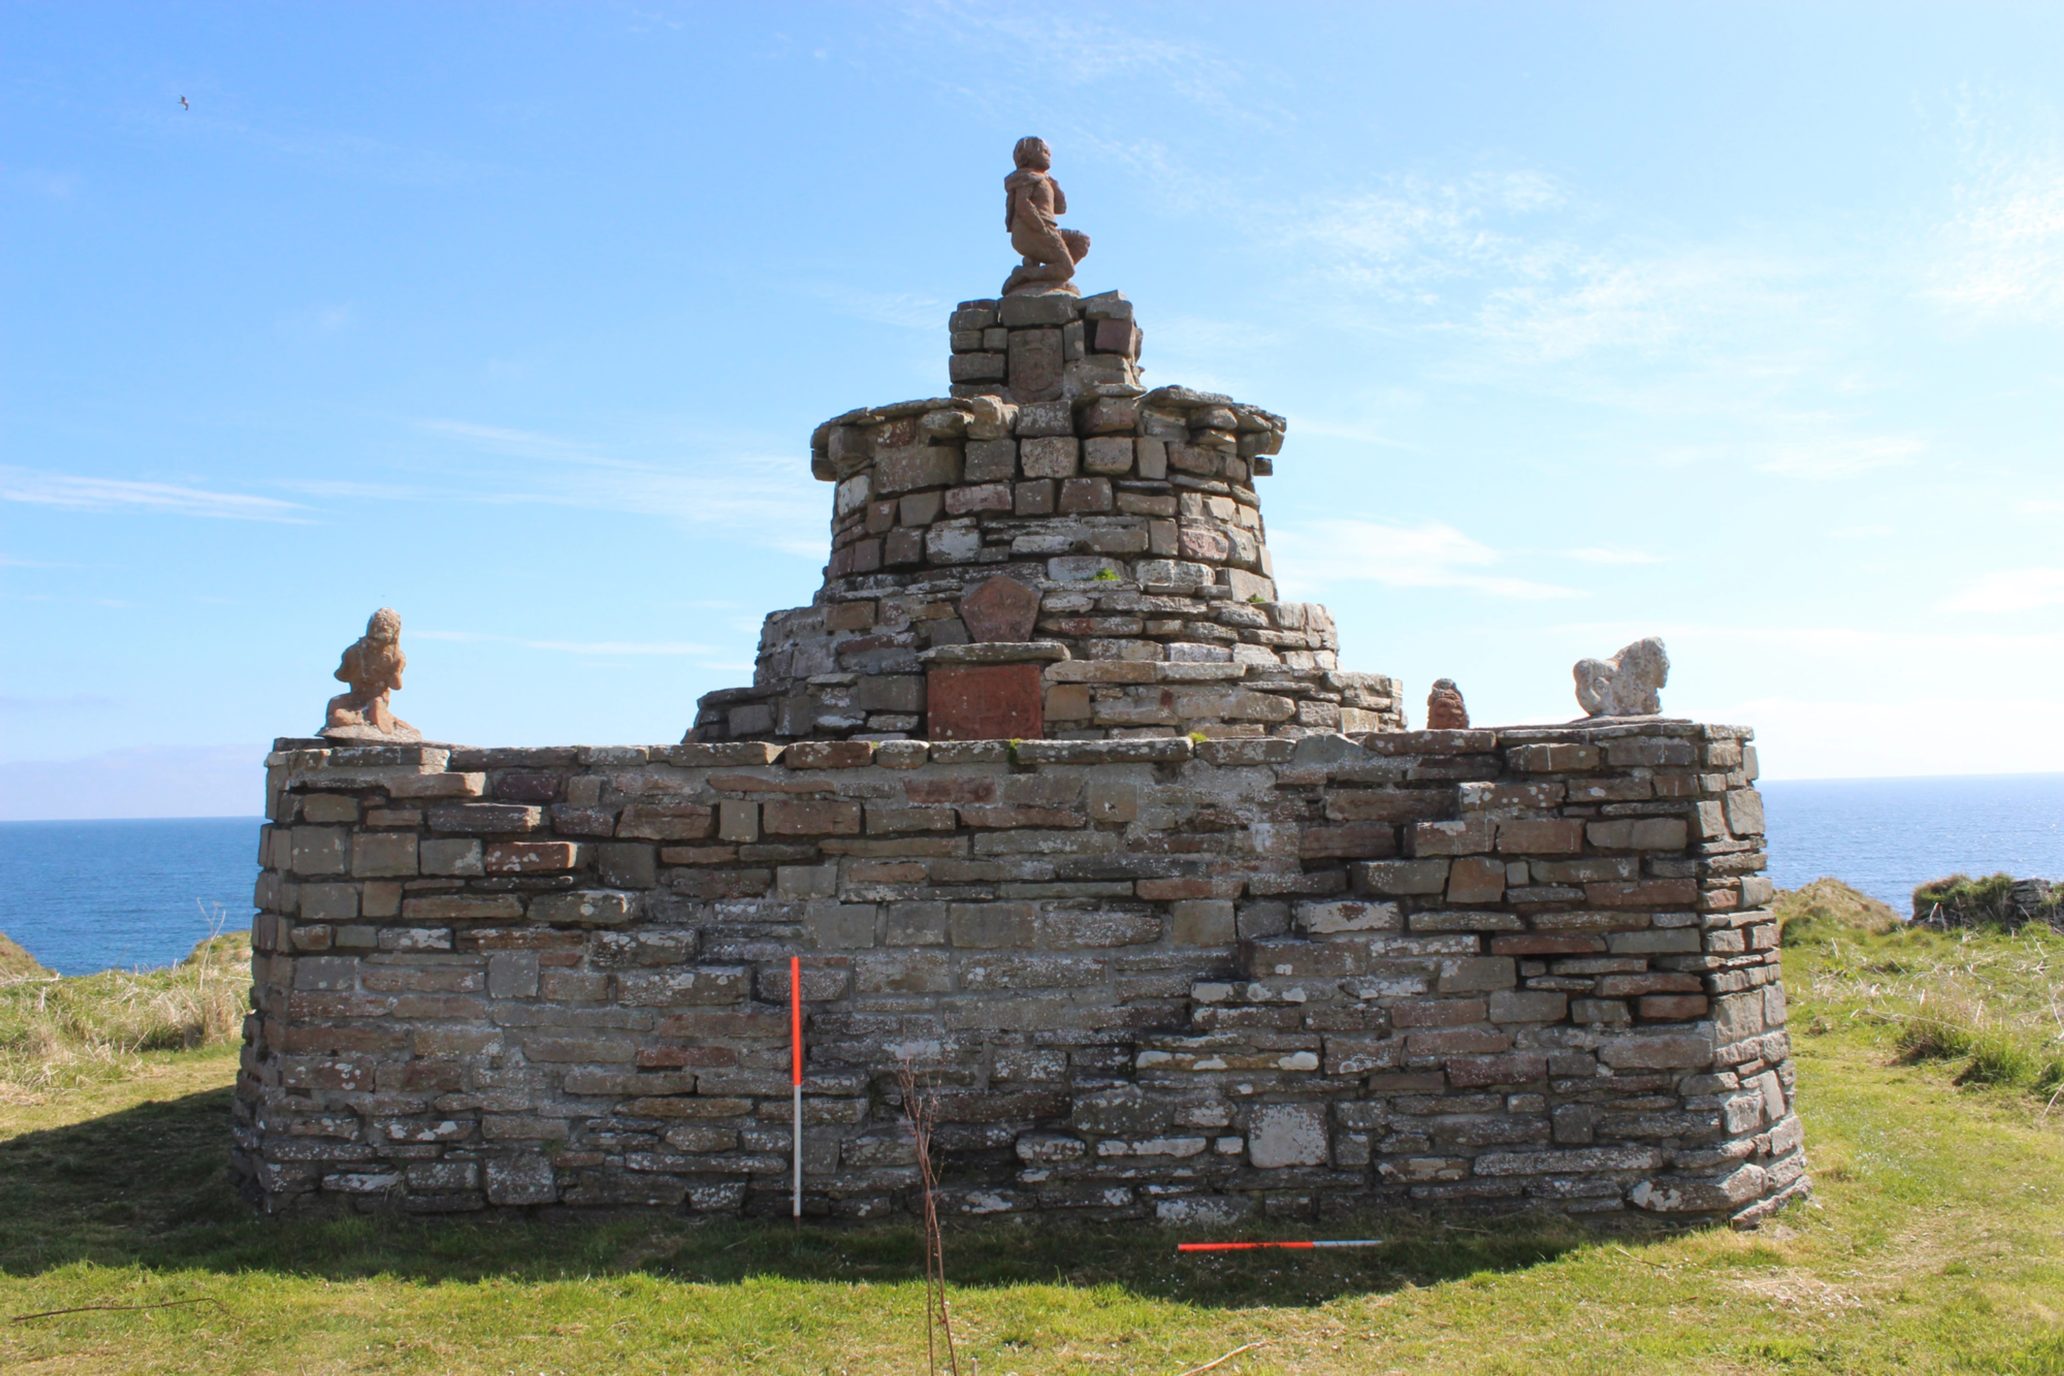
pixel 1445 710
pixel 1628 684
pixel 372 668
pixel 1032 201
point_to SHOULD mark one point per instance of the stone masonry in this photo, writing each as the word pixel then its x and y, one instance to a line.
pixel 1132 512
pixel 1057 803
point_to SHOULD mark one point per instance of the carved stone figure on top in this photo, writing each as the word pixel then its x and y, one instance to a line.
pixel 372 668
pixel 1445 710
pixel 1032 202
pixel 1628 684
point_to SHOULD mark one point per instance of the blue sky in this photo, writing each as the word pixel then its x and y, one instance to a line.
pixel 1743 325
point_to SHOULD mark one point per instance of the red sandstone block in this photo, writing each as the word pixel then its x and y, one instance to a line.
pixel 485 817
pixel 1471 836
pixel 811 817
pixel 962 501
pixel 725 854
pixel 1554 758
pixel 1673 1007
pixel 1512 1068
pixel 1655 982
pixel 1547 944
pixel 1388 804
pixel 828 754
pixel 1646 893
pixel 327 1039
pixel 454 907
pixel 1347 841
pixel 952 789
pixel 1540 836
pixel 1452 1041
pixel 1085 495
pixel 1476 879
pixel 531 857
pixel 1162 890
pixel 707 885
pixel 1438 1012
pixel 666 822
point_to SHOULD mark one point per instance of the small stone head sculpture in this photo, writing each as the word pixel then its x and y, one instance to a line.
pixel 1032 153
pixel 1445 710
pixel 384 626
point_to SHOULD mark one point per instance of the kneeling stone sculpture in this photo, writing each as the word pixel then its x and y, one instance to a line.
pixel 372 667
pixel 1627 685
pixel 1053 795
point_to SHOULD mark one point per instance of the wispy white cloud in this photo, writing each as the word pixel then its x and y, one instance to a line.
pixel 1516 263
pixel 1410 234
pixel 1683 301
pixel 2005 591
pixel 1431 554
pixel 1045 48
pixel 2000 254
pixel 77 492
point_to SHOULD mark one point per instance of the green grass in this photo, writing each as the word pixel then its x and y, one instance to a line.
pixel 59 1034
pixel 1988 1003
pixel 1932 1246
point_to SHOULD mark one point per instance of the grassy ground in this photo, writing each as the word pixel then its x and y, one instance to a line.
pixel 1934 1246
pixel 1989 1004
pixel 60 1034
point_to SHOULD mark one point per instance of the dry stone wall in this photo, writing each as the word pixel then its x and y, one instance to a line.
pixel 1148 978
pixel 1132 512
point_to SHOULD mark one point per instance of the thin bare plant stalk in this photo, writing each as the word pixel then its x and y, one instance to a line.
pixel 920 1112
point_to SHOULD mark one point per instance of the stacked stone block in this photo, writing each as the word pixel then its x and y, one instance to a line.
pixel 1166 978
pixel 1132 512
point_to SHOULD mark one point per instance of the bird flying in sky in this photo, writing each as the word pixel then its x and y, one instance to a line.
pixel 183 105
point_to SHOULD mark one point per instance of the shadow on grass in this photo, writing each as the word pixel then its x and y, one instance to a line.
pixel 148 1187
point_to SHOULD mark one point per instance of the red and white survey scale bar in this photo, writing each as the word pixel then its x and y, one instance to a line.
pixel 795 1080
pixel 795 1073
pixel 1308 1245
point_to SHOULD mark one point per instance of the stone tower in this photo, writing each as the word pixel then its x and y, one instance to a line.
pixel 1128 519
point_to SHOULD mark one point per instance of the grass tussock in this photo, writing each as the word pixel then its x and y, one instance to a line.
pixel 1986 1002
pixel 17 964
pixel 1997 900
pixel 58 1034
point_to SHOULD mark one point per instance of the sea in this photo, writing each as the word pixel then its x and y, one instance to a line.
pixel 87 896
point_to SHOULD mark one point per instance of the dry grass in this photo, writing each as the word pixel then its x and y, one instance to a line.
pixel 1988 1002
pixel 17 964
pixel 57 1034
